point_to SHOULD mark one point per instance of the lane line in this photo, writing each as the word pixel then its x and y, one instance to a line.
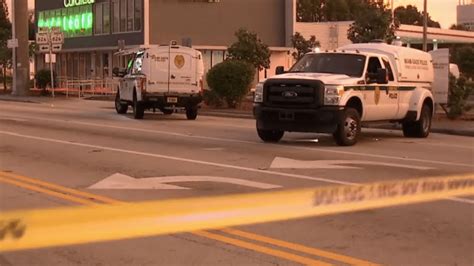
pixel 462 200
pixel 282 144
pixel 297 247
pixel 45 191
pixel 235 242
pixel 261 249
pixel 154 155
pixel 79 193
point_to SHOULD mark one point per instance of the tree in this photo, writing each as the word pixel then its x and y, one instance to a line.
pixel 309 10
pixel 411 16
pixel 463 56
pixel 372 23
pixel 250 48
pixel 458 27
pixel 337 10
pixel 302 45
pixel 5 34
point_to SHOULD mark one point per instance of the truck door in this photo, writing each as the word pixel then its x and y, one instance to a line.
pixel 380 103
pixel 392 91
pixel 183 74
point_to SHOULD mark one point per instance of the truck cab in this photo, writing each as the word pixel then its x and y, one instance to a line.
pixel 335 91
pixel 162 77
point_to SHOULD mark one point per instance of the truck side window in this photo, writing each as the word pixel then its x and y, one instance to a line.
pixel 372 68
pixel 389 69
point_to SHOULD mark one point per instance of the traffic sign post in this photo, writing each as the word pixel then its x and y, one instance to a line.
pixel 50 40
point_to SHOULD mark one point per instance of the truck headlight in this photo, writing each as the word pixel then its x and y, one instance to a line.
pixel 332 94
pixel 258 97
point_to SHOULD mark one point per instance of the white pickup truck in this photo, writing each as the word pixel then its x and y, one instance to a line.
pixel 162 77
pixel 334 91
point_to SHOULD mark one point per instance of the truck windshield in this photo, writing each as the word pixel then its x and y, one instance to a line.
pixel 347 64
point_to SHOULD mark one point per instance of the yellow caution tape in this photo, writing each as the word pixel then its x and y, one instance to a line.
pixel 75 225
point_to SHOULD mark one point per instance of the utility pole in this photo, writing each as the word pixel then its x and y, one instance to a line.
pixel 14 48
pixel 21 58
pixel 425 26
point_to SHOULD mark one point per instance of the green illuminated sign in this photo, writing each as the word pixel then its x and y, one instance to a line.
pixel 73 21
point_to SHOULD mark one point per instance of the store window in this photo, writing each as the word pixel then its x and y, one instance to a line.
pixel 102 18
pixel 127 15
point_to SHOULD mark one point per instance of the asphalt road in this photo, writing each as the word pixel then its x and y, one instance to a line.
pixel 86 146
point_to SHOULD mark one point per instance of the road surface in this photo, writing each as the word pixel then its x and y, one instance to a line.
pixel 85 146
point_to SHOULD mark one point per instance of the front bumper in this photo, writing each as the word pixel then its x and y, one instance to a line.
pixel 320 120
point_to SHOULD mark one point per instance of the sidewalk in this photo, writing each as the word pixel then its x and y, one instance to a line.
pixel 441 124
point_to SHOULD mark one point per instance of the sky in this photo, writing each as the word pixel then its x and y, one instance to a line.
pixel 443 11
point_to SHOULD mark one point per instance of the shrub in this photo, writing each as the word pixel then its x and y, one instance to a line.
pixel 231 80
pixel 212 99
pixel 459 91
pixel 43 78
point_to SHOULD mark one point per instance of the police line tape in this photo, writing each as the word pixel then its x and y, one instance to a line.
pixel 78 225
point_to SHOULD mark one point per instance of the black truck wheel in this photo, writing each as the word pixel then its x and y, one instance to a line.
pixel 191 113
pixel 120 107
pixel 138 109
pixel 420 128
pixel 270 135
pixel 348 128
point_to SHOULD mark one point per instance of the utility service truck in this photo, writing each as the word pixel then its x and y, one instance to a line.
pixel 335 91
pixel 166 78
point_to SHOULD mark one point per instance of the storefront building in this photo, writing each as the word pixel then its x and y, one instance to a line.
pixel 96 29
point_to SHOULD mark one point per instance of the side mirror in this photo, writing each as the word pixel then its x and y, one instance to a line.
pixel 382 76
pixel 280 70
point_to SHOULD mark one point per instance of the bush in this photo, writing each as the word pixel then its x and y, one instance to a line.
pixel 459 91
pixel 231 80
pixel 43 78
pixel 211 98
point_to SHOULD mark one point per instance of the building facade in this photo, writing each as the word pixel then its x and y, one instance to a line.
pixel 96 29
pixel 465 14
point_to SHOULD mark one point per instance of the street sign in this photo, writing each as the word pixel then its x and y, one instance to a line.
pixel 12 43
pixel 57 37
pixel 56 47
pixel 43 48
pixel 49 57
pixel 42 38
pixel 43 29
pixel 56 29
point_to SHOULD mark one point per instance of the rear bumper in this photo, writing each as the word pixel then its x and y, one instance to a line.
pixel 151 100
pixel 321 120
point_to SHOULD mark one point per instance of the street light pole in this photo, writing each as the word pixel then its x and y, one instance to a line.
pixel 425 26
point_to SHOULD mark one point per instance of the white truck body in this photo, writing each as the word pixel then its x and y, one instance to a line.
pixel 164 78
pixel 318 90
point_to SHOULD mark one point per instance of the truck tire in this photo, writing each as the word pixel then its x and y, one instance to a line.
pixel 348 128
pixel 270 135
pixel 420 128
pixel 138 109
pixel 191 113
pixel 120 107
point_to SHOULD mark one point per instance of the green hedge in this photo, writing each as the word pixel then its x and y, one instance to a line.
pixel 231 80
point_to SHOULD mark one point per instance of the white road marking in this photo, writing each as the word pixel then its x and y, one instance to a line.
pixel 160 156
pixel 120 181
pixel 197 161
pixel 283 163
pixel 379 156
pixel 214 149
pixel 463 200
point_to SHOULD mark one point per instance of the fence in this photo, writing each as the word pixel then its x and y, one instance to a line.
pixel 85 87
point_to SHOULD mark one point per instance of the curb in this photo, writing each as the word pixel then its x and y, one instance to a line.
pixel 18 100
